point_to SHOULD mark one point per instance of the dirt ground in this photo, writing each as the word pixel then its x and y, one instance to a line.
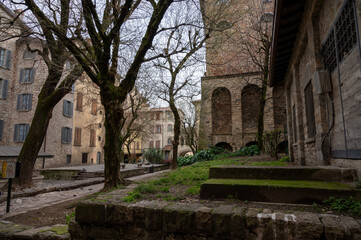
pixel 47 216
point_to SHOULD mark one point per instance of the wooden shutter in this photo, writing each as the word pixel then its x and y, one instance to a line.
pixel 4 88
pixel 16 132
pixel 157 144
pixel 70 135
pixel 18 104
pixel 151 144
pixel 32 75
pixel 64 108
pixel 1 129
pixel 27 126
pixel 71 109
pixel 30 101
pixel 8 59
pixel 94 107
pixel 22 73
pixel 63 134
pixel 77 140
pixel 92 138
pixel 79 101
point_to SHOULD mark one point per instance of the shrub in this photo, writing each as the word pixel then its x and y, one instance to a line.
pixel 248 151
pixel 344 204
pixel 153 155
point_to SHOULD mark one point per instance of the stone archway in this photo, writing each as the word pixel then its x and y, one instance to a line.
pixel 221 111
pixel 251 143
pixel 225 146
pixel 251 95
pixel 184 153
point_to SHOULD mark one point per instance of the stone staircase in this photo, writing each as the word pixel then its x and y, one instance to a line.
pixel 283 184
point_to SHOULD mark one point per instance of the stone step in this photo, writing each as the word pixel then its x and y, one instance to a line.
pixel 279 191
pixel 284 173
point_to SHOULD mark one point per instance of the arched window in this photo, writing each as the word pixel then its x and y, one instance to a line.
pixel 251 96
pixel 169 141
pixel 169 128
pixel 221 111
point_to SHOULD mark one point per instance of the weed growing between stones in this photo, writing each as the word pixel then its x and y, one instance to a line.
pixel 69 217
pixel 349 205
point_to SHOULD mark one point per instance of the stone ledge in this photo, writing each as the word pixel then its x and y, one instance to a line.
pixel 166 220
pixel 9 230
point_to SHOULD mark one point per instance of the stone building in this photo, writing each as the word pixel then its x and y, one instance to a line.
pixel 231 87
pixel 22 74
pixel 316 58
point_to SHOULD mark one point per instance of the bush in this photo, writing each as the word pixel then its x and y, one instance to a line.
pixel 153 155
pixel 248 151
pixel 344 204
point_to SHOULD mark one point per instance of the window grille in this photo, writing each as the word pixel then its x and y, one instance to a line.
pixel 345 30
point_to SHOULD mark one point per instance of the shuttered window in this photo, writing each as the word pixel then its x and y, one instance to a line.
pixel 66 135
pixel 24 102
pixel 157 144
pixel 67 108
pixel 77 137
pixel 92 138
pixel 310 111
pixel 3 88
pixel 20 132
pixel 1 129
pixel 170 128
pixel 158 129
pixel 94 107
pixel 151 144
pixel 27 75
pixel 5 58
pixel 79 101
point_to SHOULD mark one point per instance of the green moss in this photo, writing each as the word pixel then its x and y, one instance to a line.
pixel 59 230
pixel 282 183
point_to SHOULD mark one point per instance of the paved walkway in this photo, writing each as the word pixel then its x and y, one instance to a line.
pixel 25 204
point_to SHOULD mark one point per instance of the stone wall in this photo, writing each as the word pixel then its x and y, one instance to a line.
pixel 336 94
pixel 165 220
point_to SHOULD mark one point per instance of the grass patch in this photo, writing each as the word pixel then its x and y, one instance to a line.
pixel 188 178
pixel 57 230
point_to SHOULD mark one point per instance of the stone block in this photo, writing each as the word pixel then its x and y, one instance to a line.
pixel 119 214
pixel 238 224
pixel 77 231
pixel 170 217
pixel 90 213
pixel 186 219
pixel 204 219
pixel 138 214
pixel 251 222
pixel 154 214
pixel 308 226
pixel 221 222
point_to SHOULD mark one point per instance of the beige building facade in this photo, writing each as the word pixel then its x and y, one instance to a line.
pixel 22 75
pixel 321 75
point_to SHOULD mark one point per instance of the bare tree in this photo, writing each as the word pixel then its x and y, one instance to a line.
pixel 58 83
pixel 101 45
pixel 178 67
pixel 190 127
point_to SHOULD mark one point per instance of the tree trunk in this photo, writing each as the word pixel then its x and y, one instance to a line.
pixel 34 140
pixel 113 142
pixel 175 142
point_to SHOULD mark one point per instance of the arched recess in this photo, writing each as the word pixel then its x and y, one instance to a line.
pixel 184 153
pixel 251 96
pixel 251 143
pixel 225 146
pixel 279 107
pixel 221 111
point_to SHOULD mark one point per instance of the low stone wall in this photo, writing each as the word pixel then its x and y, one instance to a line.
pixel 164 220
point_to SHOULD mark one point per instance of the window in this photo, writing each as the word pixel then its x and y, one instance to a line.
pixel 138 146
pixel 3 88
pixel 84 157
pixel 5 58
pixel 20 132
pixel 27 75
pixel 94 107
pixel 157 116
pixel 68 159
pixel 223 25
pixel 151 144
pixel 344 34
pixel 267 17
pixel 266 1
pixel 28 54
pixel 158 129
pixel 310 112
pixel 73 88
pixel 67 108
pixel 92 138
pixel 170 128
pixel 66 135
pixel 99 138
pixel 100 125
pixel 157 144
pixel 169 115
pixel 79 101
pixel 24 102
pixel 169 141
pixel 77 138
pixel 1 129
